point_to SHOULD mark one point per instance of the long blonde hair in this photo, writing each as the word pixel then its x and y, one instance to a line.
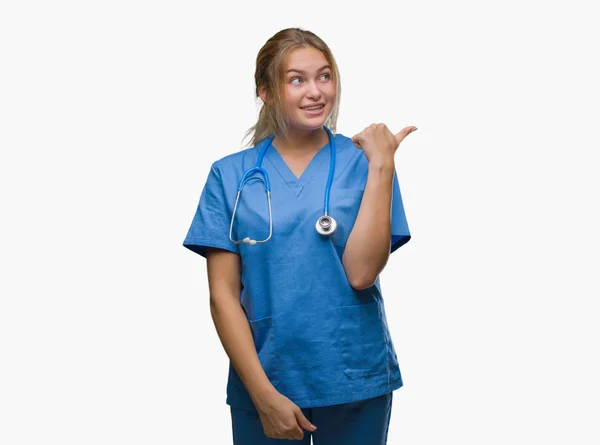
pixel 269 75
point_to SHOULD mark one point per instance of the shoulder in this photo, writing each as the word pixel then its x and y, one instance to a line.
pixel 351 158
pixel 240 161
pixel 346 147
pixel 235 163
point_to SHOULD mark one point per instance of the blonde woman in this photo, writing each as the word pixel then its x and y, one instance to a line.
pixel 294 250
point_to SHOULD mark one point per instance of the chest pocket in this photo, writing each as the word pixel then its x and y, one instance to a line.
pixel 344 205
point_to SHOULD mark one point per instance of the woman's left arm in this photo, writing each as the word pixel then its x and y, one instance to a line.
pixel 368 246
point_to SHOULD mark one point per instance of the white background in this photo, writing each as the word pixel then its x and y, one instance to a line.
pixel 110 116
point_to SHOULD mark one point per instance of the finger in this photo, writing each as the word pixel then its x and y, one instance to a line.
pixel 356 143
pixel 304 422
pixel 356 139
pixel 404 132
pixel 299 434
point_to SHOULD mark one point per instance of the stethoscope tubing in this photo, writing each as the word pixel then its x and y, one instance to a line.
pixel 265 179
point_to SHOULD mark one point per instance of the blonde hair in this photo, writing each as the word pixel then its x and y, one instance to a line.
pixel 269 76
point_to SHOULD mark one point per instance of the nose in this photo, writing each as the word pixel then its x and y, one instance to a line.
pixel 313 91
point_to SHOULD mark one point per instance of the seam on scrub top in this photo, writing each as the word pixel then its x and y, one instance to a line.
pixel 278 172
pixel 356 158
pixel 203 242
pixel 385 339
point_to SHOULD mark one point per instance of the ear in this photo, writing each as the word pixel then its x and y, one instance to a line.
pixel 262 92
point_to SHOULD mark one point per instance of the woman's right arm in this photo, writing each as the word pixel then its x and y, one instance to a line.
pixel 232 326
pixel 280 417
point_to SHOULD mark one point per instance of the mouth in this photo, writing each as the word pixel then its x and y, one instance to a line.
pixel 313 107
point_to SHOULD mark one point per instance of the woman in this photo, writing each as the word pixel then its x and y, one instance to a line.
pixel 295 297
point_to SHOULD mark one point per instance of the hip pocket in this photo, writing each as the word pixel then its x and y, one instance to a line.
pixel 263 333
pixel 362 341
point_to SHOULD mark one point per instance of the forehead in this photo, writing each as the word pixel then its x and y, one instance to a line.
pixel 305 59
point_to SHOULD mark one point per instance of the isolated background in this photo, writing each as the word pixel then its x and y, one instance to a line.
pixel 110 116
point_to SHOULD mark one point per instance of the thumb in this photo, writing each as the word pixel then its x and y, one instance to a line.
pixel 303 421
pixel 404 132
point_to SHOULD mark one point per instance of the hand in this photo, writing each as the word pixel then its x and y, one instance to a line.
pixel 378 143
pixel 281 418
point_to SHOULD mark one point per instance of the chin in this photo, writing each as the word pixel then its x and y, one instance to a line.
pixel 312 126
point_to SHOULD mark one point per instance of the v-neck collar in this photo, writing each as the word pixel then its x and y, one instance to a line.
pixel 297 184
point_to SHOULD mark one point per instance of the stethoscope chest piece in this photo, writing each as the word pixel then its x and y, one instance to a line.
pixel 326 225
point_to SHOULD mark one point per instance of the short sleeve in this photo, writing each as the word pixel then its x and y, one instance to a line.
pixel 400 231
pixel 210 225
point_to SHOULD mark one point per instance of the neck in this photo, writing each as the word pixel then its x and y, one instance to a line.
pixel 301 141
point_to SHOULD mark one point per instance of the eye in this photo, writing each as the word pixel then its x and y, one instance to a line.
pixel 328 77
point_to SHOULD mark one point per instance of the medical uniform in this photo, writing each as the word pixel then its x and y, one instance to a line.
pixel 320 341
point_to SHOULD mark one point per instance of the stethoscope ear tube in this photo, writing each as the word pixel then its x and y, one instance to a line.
pixel 251 171
pixel 248 240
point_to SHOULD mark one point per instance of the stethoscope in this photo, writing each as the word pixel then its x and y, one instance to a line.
pixel 325 225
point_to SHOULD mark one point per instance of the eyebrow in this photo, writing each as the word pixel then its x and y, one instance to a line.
pixel 303 72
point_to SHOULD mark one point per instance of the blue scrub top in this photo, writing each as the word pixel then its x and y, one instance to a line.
pixel 320 341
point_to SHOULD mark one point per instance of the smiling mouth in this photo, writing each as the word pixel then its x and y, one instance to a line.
pixel 313 107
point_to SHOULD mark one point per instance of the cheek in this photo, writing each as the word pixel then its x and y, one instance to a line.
pixel 292 98
pixel 331 93
pixel 292 105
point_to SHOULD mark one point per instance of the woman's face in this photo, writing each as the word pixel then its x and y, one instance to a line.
pixel 308 82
